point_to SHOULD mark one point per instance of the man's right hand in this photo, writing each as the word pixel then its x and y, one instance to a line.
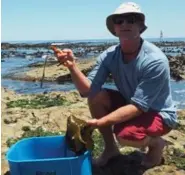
pixel 65 57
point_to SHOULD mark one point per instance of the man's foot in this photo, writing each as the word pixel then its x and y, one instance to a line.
pixel 154 155
pixel 105 157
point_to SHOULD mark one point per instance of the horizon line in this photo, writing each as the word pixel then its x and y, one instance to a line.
pixel 183 37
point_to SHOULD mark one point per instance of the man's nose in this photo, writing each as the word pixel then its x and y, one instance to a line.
pixel 124 23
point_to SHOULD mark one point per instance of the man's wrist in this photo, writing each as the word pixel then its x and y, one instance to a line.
pixel 102 122
pixel 72 67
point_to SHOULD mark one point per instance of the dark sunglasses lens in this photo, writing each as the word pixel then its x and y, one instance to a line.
pixel 118 21
pixel 128 19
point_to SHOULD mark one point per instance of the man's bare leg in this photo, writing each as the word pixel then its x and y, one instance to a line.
pixel 100 106
pixel 155 149
pixel 155 152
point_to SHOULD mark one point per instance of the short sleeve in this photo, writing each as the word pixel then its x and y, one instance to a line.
pixel 151 84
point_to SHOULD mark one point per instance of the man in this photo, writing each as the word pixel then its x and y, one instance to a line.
pixel 141 110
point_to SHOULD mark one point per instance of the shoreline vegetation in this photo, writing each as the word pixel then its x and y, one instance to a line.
pixel 27 115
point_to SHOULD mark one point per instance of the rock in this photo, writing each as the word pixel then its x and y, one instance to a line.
pixel 173 137
pixel 177 67
pixel 53 72
pixel 162 170
pixel 10 120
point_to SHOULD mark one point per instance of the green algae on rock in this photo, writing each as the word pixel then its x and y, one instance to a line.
pixel 40 101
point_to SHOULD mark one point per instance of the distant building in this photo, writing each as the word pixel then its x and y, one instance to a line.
pixel 161 37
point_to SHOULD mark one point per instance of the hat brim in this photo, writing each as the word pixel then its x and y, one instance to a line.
pixel 110 24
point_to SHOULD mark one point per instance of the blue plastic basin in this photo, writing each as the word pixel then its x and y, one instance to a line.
pixel 46 156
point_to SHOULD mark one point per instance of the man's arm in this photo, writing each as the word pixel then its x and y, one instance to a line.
pixel 144 96
pixel 96 78
pixel 80 80
pixel 66 58
pixel 122 114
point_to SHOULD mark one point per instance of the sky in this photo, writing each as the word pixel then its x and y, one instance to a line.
pixel 83 19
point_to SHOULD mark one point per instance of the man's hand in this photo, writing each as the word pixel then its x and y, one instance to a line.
pixel 122 114
pixel 65 57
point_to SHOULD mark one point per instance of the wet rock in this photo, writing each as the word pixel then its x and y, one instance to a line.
pixel 53 72
pixel 177 67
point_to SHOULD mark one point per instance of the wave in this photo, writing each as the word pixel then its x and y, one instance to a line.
pixel 180 91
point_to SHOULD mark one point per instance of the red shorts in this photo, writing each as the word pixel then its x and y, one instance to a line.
pixel 147 124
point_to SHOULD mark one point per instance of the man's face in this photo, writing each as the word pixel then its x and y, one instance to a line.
pixel 127 26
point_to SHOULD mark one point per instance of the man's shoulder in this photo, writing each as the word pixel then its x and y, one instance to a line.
pixel 152 53
pixel 151 49
pixel 108 54
pixel 152 58
pixel 113 48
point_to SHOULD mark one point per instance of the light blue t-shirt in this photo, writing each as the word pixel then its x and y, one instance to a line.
pixel 144 81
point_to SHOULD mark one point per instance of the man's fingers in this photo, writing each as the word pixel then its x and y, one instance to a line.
pixel 67 50
pixel 66 63
pixel 55 49
pixel 61 55
pixel 62 59
pixel 65 56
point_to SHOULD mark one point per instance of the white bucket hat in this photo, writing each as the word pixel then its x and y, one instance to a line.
pixel 125 8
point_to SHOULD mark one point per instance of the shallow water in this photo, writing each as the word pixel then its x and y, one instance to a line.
pixel 23 87
pixel 14 64
pixel 178 93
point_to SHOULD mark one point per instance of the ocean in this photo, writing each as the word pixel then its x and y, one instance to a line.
pixel 92 40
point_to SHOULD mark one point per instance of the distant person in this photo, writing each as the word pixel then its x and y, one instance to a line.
pixel 141 110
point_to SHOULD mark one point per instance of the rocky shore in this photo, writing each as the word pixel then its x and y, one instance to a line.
pixel 80 49
pixel 86 52
pixel 53 72
pixel 177 67
pixel 6 45
pixel 19 116
pixel 61 74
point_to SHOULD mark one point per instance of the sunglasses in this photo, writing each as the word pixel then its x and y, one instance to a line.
pixel 131 19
